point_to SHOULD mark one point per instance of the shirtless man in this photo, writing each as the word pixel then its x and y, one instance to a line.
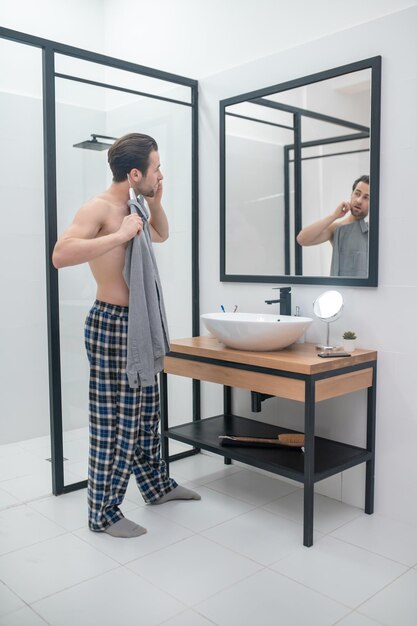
pixel 123 421
pixel 349 236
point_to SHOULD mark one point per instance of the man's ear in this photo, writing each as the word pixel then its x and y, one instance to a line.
pixel 135 175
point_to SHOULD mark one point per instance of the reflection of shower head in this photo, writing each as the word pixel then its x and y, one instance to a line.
pixel 93 144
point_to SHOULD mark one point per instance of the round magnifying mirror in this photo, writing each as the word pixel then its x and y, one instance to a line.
pixel 328 307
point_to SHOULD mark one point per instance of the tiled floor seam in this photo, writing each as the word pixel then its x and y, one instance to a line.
pixel 12 506
pixel 207 485
pixel 26 502
pixel 226 588
pixel 166 621
pixel 28 606
pixel 383 588
pixel 178 523
pixel 320 593
pixel 384 556
pixel 339 621
pixel 31 545
pixel 80 582
pixel 15 593
pixel 137 558
pixel 47 518
pixel 168 593
pixel 245 556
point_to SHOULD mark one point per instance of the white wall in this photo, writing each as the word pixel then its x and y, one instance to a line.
pixel 197 38
pixel 74 22
pixel 373 313
pixel 194 38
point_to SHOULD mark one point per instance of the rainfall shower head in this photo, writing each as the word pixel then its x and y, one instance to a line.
pixel 93 144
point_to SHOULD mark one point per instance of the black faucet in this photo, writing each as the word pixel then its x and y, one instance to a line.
pixel 284 300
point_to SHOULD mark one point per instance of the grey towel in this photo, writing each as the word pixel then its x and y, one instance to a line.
pixel 148 339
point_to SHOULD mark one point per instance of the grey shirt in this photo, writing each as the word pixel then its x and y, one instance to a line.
pixel 148 339
pixel 350 250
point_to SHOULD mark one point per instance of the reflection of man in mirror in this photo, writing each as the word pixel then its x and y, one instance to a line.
pixel 348 236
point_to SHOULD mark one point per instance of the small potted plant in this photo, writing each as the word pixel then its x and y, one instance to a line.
pixel 349 341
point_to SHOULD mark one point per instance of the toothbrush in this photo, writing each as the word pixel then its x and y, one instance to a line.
pixel 222 308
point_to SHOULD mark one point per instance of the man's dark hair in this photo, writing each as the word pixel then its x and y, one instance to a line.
pixel 129 152
pixel 361 179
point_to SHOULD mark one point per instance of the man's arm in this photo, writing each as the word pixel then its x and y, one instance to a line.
pixel 79 243
pixel 158 221
pixel 323 230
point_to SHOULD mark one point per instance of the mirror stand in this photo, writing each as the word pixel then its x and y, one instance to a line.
pixel 328 308
pixel 327 345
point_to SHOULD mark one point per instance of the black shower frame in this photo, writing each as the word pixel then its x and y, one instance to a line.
pixel 373 63
pixel 49 49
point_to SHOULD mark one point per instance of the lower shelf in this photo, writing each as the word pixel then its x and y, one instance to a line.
pixel 331 457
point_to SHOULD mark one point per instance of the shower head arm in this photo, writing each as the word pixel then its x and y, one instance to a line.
pixel 94 136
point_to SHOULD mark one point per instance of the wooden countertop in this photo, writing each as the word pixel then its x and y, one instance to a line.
pixel 300 357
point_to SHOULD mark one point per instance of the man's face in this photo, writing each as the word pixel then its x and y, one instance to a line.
pixel 149 183
pixel 359 201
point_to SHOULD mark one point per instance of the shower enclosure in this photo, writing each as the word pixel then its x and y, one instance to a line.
pixel 62 108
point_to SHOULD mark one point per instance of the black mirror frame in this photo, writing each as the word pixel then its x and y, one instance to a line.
pixel 373 63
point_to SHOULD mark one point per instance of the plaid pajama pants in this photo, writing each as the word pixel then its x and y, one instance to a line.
pixel 124 422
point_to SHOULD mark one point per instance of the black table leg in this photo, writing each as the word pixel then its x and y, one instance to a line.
pixel 163 394
pixel 227 410
pixel 370 445
pixel 309 419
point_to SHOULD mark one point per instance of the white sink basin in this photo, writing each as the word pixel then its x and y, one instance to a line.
pixel 253 331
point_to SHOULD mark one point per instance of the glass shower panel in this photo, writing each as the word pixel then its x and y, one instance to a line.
pixel 25 468
pixel 81 174
pixel 255 194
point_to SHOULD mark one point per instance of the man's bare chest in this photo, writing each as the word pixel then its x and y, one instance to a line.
pixel 112 223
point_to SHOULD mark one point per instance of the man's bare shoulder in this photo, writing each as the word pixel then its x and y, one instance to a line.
pixel 89 219
pixel 96 205
pixel 93 211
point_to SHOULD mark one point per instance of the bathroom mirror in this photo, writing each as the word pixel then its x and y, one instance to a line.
pixel 289 155
pixel 328 308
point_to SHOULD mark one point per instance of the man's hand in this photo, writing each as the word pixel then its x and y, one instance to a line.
pixel 132 225
pixel 341 210
pixel 155 200
pixel 158 223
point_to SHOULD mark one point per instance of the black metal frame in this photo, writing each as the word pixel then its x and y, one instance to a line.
pixel 322 457
pixel 258 97
pixel 49 49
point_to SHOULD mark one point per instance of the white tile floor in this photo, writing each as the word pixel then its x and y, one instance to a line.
pixel 235 558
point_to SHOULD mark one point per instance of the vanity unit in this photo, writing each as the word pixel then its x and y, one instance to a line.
pixel 295 373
